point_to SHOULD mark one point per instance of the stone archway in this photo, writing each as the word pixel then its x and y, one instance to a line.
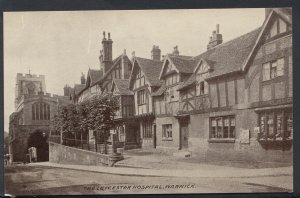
pixel 38 139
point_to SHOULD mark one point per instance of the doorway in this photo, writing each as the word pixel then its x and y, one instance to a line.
pixel 184 135
pixel 38 140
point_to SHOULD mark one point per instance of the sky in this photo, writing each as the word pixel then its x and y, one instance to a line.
pixel 61 45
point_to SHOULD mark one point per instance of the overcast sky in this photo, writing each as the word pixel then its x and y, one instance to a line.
pixel 61 45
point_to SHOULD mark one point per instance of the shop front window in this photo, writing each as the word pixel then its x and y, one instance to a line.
pixel 276 125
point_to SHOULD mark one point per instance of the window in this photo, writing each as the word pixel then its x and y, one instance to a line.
pixel 167 132
pixel 127 110
pixel 171 79
pixel 276 125
pixel 202 85
pixel 141 97
pixel 140 79
pixel 147 129
pixel 273 69
pixel 40 111
pixel 222 127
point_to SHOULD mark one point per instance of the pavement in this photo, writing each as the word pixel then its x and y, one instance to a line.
pixel 210 171
pixel 153 159
pixel 31 180
pixel 141 163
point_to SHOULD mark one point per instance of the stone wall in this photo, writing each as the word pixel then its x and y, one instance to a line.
pixel 19 135
pixel 172 143
pixel 68 155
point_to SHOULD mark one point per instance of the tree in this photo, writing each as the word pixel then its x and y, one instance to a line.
pixel 101 115
pixel 95 114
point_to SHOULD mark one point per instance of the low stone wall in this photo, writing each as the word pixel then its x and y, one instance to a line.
pixel 68 155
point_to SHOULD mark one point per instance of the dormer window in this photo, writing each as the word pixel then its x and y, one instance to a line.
pixel 172 79
pixel 202 85
pixel 201 74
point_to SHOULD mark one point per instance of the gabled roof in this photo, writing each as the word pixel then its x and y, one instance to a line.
pixel 209 63
pixel 102 76
pixel 122 86
pixel 95 75
pixel 150 68
pixel 114 63
pixel 78 88
pixel 184 64
pixel 190 81
pixel 230 56
pixel 234 55
pixel 159 91
pixel 286 15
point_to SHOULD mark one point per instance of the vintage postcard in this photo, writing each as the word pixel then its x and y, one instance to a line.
pixel 148 101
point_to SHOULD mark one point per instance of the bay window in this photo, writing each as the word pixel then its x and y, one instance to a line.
pixel 276 125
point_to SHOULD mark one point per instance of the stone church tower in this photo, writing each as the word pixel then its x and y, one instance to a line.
pixel 28 84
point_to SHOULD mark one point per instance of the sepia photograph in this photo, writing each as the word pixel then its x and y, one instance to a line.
pixel 154 101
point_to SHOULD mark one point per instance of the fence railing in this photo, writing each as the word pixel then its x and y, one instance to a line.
pixel 54 138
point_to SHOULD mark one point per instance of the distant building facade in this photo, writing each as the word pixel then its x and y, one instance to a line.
pixel 33 112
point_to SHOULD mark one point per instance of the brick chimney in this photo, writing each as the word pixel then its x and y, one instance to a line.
pixel 215 39
pixel 82 79
pixel 155 53
pixel 67 90
pixel 106 53
pixel 175 51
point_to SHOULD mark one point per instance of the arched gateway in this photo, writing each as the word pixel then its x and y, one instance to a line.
pixel 38 140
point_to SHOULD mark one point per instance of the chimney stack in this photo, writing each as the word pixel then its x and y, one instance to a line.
pixel 155 53
pixel 67 90
pixel 106 56
pixel 82 79
pixel 175 51
pixel 215 39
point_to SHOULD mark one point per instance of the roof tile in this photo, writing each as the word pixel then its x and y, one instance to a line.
pixel 151 69
pixel 123 86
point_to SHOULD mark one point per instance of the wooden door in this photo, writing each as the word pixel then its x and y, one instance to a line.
pixel 184 133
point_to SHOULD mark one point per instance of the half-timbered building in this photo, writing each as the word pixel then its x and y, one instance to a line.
pixel 127 129
pixel 144 80
pixel 235 99
pixel 100 81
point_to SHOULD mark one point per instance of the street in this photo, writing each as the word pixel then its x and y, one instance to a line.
pixel 41 180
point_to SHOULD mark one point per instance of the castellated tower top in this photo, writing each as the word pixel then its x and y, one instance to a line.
pixel 29 84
